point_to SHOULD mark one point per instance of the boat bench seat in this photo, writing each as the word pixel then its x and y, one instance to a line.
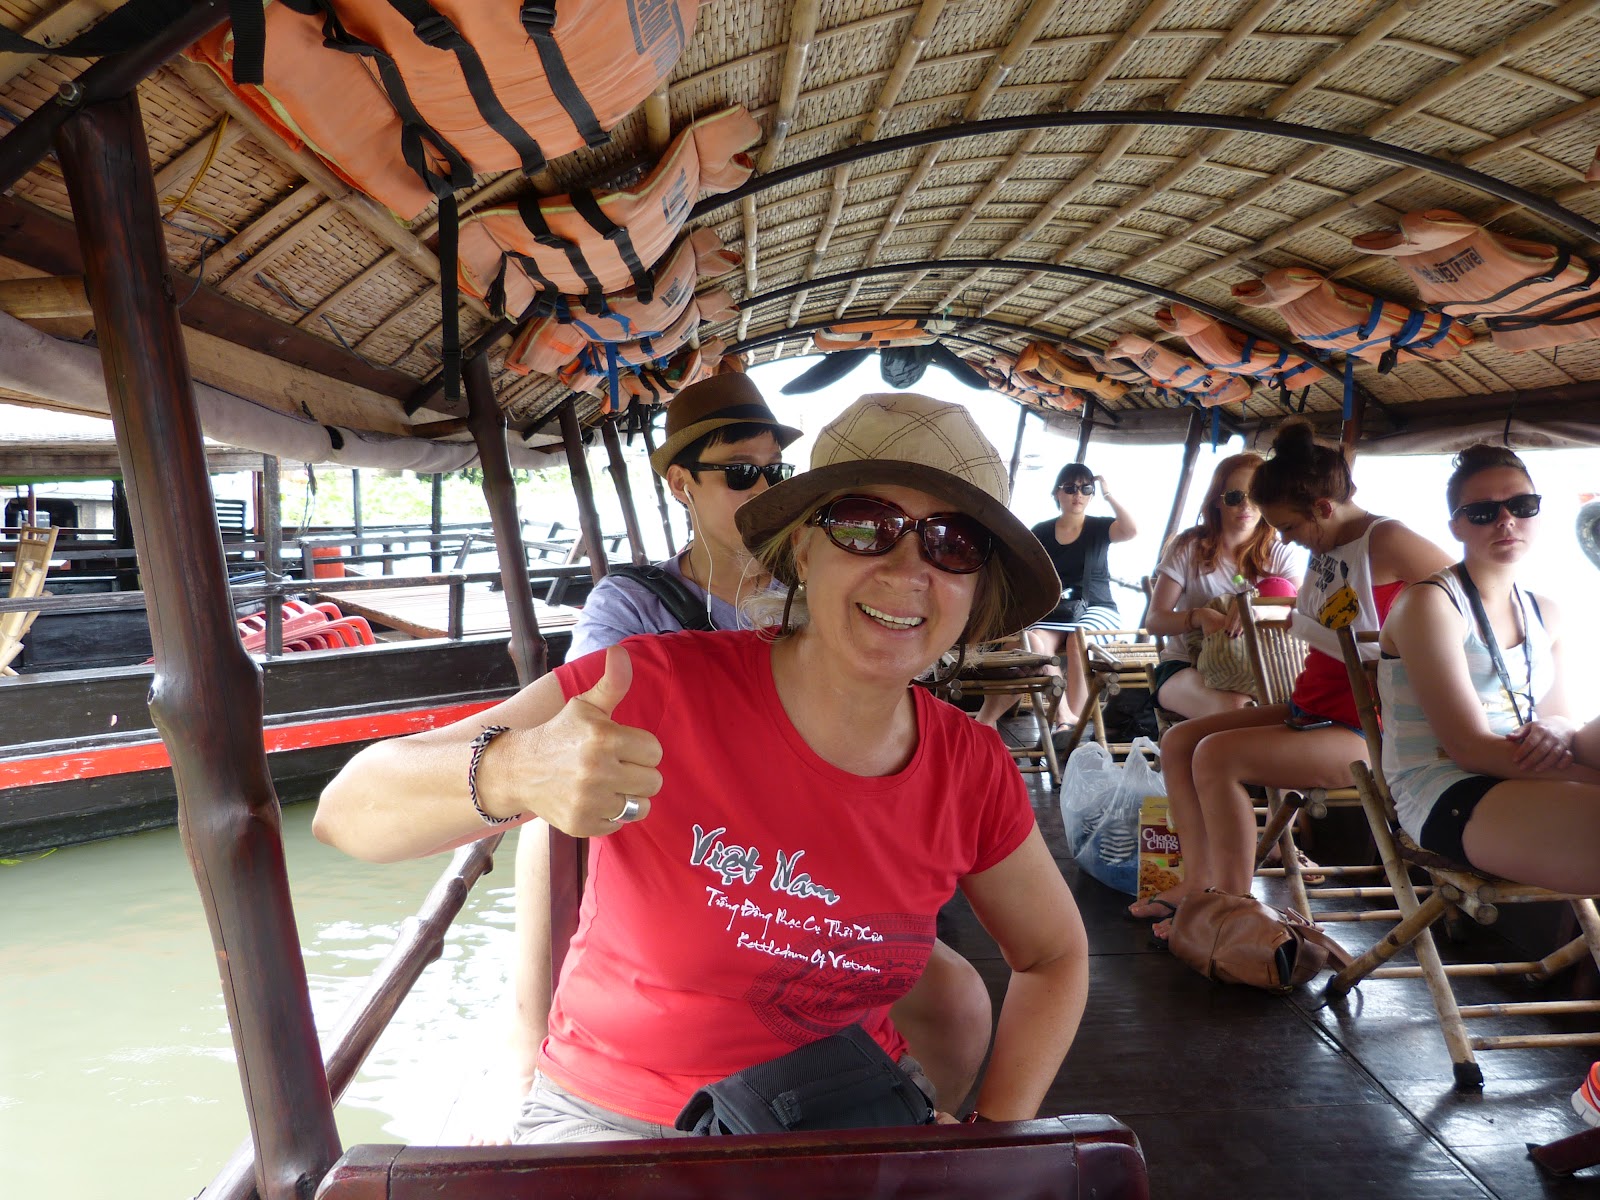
pixel 1051 1159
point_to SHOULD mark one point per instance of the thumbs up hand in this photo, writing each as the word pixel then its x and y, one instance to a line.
pixel 600 773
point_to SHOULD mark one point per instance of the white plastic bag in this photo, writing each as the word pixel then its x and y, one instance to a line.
pixel 1100 804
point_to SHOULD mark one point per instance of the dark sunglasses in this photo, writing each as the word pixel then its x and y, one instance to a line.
pixel 953 542
pixel 1486 512
pixel 1083 489
pixel 1234 498
pixel 742 477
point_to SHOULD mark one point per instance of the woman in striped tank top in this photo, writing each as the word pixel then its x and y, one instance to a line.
pixel 1481 750
pixel 1359 562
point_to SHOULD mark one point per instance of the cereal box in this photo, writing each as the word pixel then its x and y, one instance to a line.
pixel 1160 856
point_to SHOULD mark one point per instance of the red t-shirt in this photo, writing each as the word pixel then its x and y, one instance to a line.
pixel 1323 686
pixel 770 898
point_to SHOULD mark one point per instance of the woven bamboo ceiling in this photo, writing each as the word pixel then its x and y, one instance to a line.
pixel 1510 88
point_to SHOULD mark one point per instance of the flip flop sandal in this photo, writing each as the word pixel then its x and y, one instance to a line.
pixel 1310 872
pixel 1172 910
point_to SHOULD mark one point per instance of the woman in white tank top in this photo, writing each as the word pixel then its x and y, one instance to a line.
pixel 1481 750
pixel 1358 560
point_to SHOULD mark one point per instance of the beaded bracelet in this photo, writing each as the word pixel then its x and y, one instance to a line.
pixel 479 745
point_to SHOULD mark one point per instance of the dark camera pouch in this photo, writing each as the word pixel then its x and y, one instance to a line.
pixel 841 1082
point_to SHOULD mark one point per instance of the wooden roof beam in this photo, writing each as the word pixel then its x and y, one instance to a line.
pixel 366 211
pixel 910 52
pixel 802 35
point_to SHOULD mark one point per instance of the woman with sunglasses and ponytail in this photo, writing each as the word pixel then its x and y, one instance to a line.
pixel 1359 564
pixel 1480 749
pixel 1231 550
pixel 776 815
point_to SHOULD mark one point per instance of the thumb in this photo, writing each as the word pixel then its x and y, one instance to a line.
pixel 613 685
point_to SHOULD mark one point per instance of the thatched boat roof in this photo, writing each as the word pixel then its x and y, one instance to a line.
pixel 314 301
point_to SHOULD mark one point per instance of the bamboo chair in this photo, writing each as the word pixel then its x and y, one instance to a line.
pixel 34 548
pixel 1276 657
pixel 1006 669
pixel 1455 886
pixel 1109 667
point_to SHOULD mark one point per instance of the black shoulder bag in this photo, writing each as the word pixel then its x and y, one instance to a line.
pixel 688 610
pixel 841 1082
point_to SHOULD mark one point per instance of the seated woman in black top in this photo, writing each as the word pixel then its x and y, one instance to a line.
pixel 1077 545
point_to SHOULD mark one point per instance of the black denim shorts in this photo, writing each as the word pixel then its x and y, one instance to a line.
pixel 1447 821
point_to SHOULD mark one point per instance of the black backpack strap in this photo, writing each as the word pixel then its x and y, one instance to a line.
pixel 686 608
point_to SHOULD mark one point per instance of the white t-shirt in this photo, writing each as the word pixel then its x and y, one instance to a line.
pixel 1200 588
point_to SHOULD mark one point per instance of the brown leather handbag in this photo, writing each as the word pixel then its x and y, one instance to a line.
pixel 1238 939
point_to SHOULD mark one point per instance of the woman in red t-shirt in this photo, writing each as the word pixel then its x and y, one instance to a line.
pixel 776 815
pixel 1359 563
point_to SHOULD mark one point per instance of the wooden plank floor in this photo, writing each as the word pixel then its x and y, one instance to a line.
pixel 1239 1094
pixel 424 612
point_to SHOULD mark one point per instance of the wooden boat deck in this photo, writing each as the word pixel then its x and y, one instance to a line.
pixel 1239 1094
pixel 424 611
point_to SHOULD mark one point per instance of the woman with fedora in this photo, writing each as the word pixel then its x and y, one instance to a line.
pixel 777 814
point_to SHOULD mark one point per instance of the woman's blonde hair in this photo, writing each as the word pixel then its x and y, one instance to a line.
pixel 767 610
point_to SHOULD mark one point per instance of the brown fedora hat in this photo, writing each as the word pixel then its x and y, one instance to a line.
pixel 935 447
pixel 722 400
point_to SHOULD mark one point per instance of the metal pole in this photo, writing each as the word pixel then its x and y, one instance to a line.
pixel 1085 430
pixel 487 422
pixel 272 534
pixel 583 489
pixel 619 477
pixel 436 521
pixel 661 491
pixel 1016 449
pixel 206 695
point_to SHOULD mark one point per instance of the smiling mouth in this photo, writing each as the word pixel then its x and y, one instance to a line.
pixel 889 621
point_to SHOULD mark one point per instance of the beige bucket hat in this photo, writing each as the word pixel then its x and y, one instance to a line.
pixel 935 447
pixel 722 400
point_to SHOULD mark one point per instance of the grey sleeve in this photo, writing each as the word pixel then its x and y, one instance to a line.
pixel 611 613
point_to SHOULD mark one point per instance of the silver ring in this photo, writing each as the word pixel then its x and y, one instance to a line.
pixel 630 812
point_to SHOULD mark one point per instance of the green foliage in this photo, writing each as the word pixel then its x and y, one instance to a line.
pixel 404 497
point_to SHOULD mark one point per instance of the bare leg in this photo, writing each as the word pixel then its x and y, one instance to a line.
pixel 1054 641
pixel 946 1019
pixel 994 707
pixel 1077 679
pixel 1540 833
pixel 1178 750
pixel 1275 756
pixel 1186 694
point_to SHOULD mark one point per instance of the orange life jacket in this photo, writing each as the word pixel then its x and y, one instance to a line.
pixel 1042 365
pixel 1000 369
pixel 1339 317
pixel 587 244
pixel 1234 351
pixel 548 344
pixel 658 385
pixel 864 335
pixel 452 88
pixel 1531 295
pixel 600 362
pixel 1169 369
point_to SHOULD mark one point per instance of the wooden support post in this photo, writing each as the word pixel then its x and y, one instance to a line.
pixel 661 490
pixel 583 489
pixel 436 521
pixel 206 695
pixel 1085 430
pixel 1350 431
pixel 1191 451
pixel 1016 448
pixel 488 425
pixel 619 477
pixel 272 535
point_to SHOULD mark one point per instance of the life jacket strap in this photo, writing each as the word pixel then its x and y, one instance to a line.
pixel 539 19
pixel 587 207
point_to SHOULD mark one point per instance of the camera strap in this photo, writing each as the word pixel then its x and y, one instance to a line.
pixel 1486 634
